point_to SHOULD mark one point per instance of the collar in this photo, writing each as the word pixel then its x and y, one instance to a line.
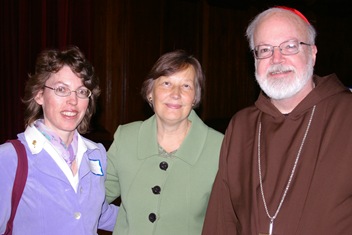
pixel 36 141
pixel 189 151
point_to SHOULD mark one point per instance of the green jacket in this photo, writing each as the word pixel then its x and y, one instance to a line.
pixel 161 196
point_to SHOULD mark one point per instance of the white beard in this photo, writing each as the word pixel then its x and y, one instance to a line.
pixel 286 87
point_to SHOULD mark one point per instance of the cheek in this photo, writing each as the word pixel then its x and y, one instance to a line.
pixel 160 95
pixel 190 97
pixel 84 104
pixel 301 65
pixel 49 102
pixel 260 67
pixel 50 107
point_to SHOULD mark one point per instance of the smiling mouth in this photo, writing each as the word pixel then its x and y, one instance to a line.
pixel 174 106
pixel 281 72
pixel 70 114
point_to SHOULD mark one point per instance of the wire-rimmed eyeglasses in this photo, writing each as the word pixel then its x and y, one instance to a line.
pixel 63 91
pixel 289 47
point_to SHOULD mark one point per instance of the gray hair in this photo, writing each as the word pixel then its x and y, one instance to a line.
pixel 311 32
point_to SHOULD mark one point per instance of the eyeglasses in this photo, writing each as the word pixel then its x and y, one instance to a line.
pixel 63 91
pixel 289 47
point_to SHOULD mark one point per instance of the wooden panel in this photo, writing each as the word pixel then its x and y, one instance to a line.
pixel 109 61
pixel 131 35
pixel 227 60
pixel 143 40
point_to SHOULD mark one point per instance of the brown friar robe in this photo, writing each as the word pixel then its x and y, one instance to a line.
pixel 319 199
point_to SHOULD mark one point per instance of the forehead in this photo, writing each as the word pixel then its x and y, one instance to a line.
pixel 65 75
pixel 186 73
pixel 278 27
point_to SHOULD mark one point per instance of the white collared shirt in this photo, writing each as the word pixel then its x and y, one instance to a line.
pixel 37 142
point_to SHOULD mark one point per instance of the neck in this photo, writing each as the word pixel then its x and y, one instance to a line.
pixel 66 137
pixel 74 167
pixel 170 138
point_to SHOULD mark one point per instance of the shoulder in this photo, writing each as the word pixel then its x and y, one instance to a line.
pixel 128 134
pixel 215 134
pixel 93 149
pixel 7 151
pixel 201 128
pixel 245 115
pixel 91 144
pixel 243 121
pixel 132 126
pixel 8 161
pixel 128 130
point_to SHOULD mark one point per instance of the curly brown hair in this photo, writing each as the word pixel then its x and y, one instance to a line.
pixel 49 62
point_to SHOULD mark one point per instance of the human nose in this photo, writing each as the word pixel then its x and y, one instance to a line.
pixel 176 91
pixel 277 57
pixel 72 98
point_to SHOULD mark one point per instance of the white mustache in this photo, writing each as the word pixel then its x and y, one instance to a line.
pixel 279 68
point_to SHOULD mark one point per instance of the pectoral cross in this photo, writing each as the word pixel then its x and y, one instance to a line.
pixel 271 225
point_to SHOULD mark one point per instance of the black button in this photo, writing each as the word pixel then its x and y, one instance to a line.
pixel 163 165
pixel 152 217
pixel 156 190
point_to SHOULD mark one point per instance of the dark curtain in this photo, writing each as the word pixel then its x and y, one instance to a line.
pixel 27 27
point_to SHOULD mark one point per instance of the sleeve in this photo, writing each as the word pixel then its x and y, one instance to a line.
pixel 112 184
pixel 108 217
pixel 8 167
pixel 220 217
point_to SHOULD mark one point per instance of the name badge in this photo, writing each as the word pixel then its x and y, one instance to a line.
pixel 95 167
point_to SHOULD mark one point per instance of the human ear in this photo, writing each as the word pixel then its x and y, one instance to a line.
pixel 39 97
pixel 314 53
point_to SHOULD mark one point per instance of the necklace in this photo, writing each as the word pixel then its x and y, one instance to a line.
pixel 272 218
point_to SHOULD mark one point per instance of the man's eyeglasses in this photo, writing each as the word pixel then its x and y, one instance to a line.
pixel 289 47
pixel 63 91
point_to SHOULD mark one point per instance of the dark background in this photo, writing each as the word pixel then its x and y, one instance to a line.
pixel 123 38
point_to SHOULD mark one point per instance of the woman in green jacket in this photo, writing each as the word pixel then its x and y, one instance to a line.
pixel 164 167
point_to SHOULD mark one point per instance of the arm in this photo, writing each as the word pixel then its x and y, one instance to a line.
pixel 8 167
pixel 220 216
pixel 109 211
pixel 108 217
pixel 112 184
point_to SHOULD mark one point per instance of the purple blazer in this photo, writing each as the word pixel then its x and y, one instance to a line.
pixel 49 204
